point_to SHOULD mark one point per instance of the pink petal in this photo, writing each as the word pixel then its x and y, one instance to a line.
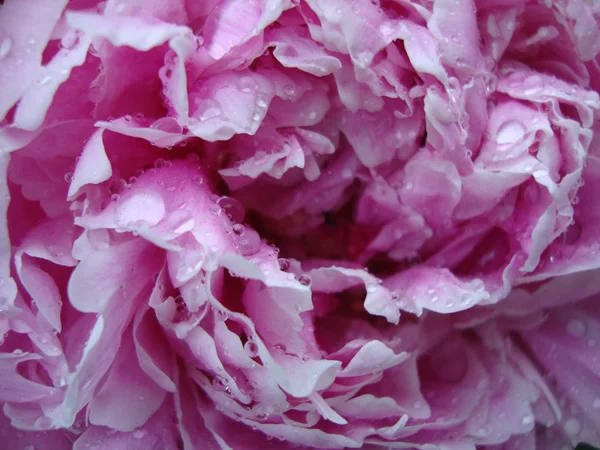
pixel 93 167
pixel 26 30
pixel 127 398
pixel 125 31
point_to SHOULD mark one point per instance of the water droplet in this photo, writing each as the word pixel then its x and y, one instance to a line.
pixel 477 285
pixel 572 426
pixel 220 383
pixel 115 197
pixel 576 328
pixel 261 101
pixel 215 209
pixel 289 90
pixel 238 229
pixel 528 419
pixel 371 288
pixel 69 177
pixel 69 40
pixel 160 162
pixel 246 84
pixel 45 80
pixel 465 299
pixel 132 180
pixel 280 347
pixel 251 348
pixel 249 242
pixel 5 47
pixel 533 85
pixel 284 264
pixel 256 116
pixel 167 124
pixel 209 109
pixel 17 351
pixel 491 83
pixel 232 208
pixel 510 132
pixel 138 434
pixel 192 157
pixel 304 280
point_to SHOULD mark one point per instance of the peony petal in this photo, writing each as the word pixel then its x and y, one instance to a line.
pixel 26 30
pixel 128 31
pixel 47 440
pixel 293 48
pixel 93 167
pixel 157 433
pixel 37 99
pixel 152 352
pixel 127 398
pixel 372 357
pixel 89 293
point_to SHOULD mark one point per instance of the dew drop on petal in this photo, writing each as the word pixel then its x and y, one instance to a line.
pixel 238 229
pixel 289 90
pixel 138 434
pixel 261 101
pixel 5 47
pixel 246 84
pixel 220 383
pixel 576 328
pixel 249 242
pixel 527 419
pixel 167 124
pixel 251 348
pixel 284 264
pixel 160 162
pixel 209 109
pixel 572 426
pixel 510 132
pixel 304 280
pixel 44 80
pixel 465 299
pixel 233 208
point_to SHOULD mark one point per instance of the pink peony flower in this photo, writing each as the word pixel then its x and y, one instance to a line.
pixel 276 224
